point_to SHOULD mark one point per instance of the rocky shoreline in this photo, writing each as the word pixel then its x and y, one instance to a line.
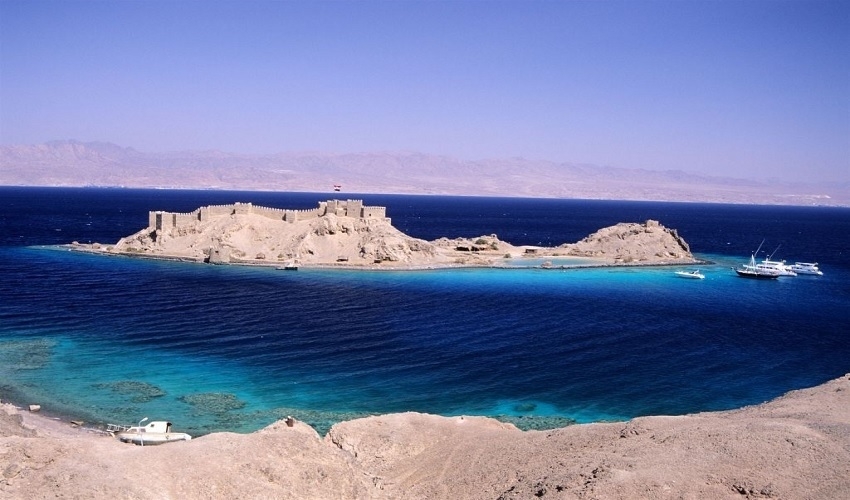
pixel 796 446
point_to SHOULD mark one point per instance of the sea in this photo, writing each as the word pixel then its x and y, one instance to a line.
pixel 107 339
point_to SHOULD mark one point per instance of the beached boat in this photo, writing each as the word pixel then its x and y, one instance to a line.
pixel 695 274
pixel 157 432
pixel 806 268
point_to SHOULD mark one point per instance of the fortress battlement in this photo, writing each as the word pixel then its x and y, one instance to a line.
pixel 166 221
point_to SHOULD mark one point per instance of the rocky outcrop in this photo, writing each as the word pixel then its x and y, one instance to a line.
pixel 249 238
pixel 328 239
pixel 632 243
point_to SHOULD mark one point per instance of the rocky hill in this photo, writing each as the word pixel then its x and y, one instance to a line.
pixel 628 243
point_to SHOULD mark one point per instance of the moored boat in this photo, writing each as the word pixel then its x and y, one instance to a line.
pixel 806 268
pixel 757 271
pixel 780 267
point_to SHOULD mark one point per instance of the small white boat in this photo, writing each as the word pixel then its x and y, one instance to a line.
pixel 806 268
pixel 157 432
pixel 695 274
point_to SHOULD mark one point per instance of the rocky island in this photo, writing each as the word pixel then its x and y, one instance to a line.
pixel 350 234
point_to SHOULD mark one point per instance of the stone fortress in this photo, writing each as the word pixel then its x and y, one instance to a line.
pixel 336 232
pixel 166 222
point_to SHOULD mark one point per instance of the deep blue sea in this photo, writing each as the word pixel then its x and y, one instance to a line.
pixel 210 348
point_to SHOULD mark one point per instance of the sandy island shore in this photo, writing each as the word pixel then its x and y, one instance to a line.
pixel 797 446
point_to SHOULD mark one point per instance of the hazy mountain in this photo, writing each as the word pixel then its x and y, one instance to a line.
pixel 72 163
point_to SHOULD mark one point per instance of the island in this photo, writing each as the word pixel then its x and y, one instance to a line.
pixel 347 233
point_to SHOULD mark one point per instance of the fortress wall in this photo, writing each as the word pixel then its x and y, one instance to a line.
pixel 215 211
pixel 335 207
pixel 243 208
pixel 271 213
pixel 183 220
pixel 354 208
pixel 159 220
pixel 307 214
pixel 374 212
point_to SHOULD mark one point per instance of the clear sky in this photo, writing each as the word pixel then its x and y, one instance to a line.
pixel 733 88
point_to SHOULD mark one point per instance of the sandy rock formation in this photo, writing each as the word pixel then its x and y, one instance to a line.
pixel 249 238
pixel 795 447
pixel 632 243
pixel 335 239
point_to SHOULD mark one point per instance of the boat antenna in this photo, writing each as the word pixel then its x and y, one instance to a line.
pixel 759 248
pixel 771 255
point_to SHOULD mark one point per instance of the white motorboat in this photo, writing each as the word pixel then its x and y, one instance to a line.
pixel 157 432
pixel 695 274
pixel 806 268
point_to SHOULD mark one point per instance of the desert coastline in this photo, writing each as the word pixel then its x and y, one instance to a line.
pixel 796 446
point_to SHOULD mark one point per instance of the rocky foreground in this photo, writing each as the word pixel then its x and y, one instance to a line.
pixel 795 447
pixel 329 237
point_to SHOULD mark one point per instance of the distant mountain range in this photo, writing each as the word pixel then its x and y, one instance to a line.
pixel 72 163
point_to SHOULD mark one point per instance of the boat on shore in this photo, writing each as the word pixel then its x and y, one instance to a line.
pixel 156 432
pixel 695 274
pixel 806 268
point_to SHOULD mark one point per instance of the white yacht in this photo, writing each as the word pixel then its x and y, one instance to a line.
pixel 695 274
pixel 806 268
pixel 757 271
pixel 780 266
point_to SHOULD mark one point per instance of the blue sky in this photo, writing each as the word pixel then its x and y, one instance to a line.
pixel 745 89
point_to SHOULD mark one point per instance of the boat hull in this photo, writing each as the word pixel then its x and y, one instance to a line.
pixel 692 276
pixel 152 438
pixel 756 275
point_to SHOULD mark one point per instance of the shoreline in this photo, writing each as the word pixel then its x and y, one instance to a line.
pixel 50 423
pixel 592 263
